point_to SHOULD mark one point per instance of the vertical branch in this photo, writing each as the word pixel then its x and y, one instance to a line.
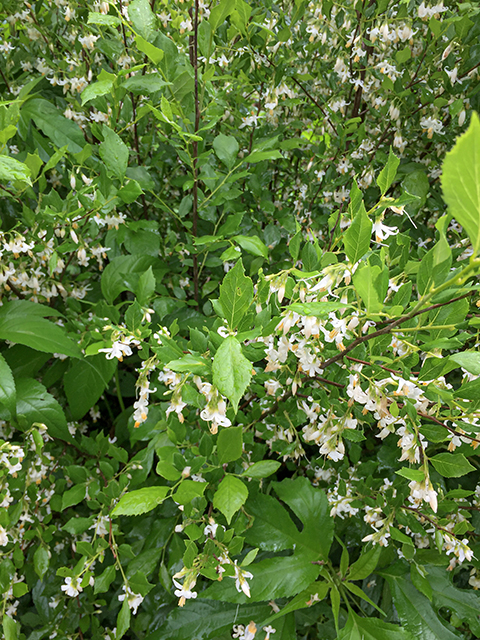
pixel 194 63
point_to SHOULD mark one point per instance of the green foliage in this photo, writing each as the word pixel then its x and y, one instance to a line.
pixel 235 309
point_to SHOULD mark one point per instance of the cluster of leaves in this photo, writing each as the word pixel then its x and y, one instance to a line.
pixel 239 368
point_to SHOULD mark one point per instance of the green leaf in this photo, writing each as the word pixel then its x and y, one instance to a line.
pixel 388 173
pixel 317 309
pixel 104 580
pixel 229 444
pixel 10 628
pixel 50 120
pixel 86 381
pixel 461 181
pixel 232 371
pixel 366 280
pixel 191 364
pixel 365 565
pixel 145 287
pixel 469 390
pixel 411 474
pixel 140 501
pixel 150 82
pixel 230 496
pixel 260 156
pixel 38 333
pixel 435 266
pixel 120 274
pixel 356 239
pixel 451 465
pixel 353 588
pixel 313 593
pixel 35 404
pixel 262 469
pixel 358 628
pixel 310 504
pixel 8 394
pixel 153 53
pixel 468 360
pixel 226 148
pixel 272 578
pixel 102 19
pixel 203 619
pixel 74 495
pixel 220 12
pixel 252 244
pixel 415 612
pixel 41 560
pixel 142 17
pixel 465 603
pixel 236 295
pixel 123 620
pixel 188 491
pixel 100 88
pixel 11 169
pixel 114 152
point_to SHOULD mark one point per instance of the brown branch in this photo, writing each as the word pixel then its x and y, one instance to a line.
pixel 194 63
pixel 436 306
pixel 372 364
pixel 451 429
pixel 431 520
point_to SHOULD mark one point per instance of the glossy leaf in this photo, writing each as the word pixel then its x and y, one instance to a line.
pixel 451 465
pixel 114 153
pixel 35 404
pixel 236 295
pixel 86 381
pixel 226 148
pixel 11 169
pixel 140 501
pixel 8 394
pixel 388 173
pixel 356 239
pixel 360 628
pixel 262 469
pixel 143 18
pixel 232 371
pixel 230 496
pixel 229 444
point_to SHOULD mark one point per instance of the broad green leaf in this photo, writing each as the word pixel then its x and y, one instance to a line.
pixel 150 82
pixel 145 287
pixel 252 244
pixel 122 274
pixel 418 185
pixel 262 469
pixel 140 501
pixel 86 381
pixel 359 628
pixel 464 602
pixel 96 89
pixel 8 394
pixel 229 444
pixel 153 53
pixel 226 148
pixel 236 295
pixel 357 237
pixel 104 580
pixel 188 490
pixel 230 496
pixel 50 120
pixel 310 504
pixel 411 474
pixel 451 465
pixel 469 390
pixel 10 628
pixel 220 12
pixel 272 578
pixel 102 19
pixel 366 280
pixel 468 360
pixel 123 620
pixel 143 19
pixel 461 181
pixel 435 266
pixel 76 526
pixel 203 619
pixel 317 309
pixel 388 173
pixel 114 152
pixel 355 589
pixel 365 565
pixel 35 404
pixel 74 495
pixel 41 560
pixel 415 612
pixel 260 156
pixel 232 371
pixel 11 169
pixel 191 364
pixel 37 333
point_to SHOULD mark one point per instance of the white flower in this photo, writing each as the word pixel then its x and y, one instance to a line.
pixel 101 526
pixel 134 599
pixel 241 576
pixel 3 537
pixel 72 586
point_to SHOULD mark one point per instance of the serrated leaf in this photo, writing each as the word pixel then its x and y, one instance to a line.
pixel 101 19
pixel 153 53
pixel 451 465
pixel 35 404
pixel 230 496
pixel 96 89
pixel 468 360
pixel 388 173
pixel 140 501
pixel 8 393
pixel 236 295
pixel 123 620
pixel 262 469
pixel 229 444
pixel 461 181
pixel 356 239
pixel 114 153
pixel 11 169
pixel 143 19
pixel 252 244
pixel 232 371
pixel 41 560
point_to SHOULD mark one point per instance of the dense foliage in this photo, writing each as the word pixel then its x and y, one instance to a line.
pixel 239 331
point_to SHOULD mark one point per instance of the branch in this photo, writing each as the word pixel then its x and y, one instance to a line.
pixel 194 63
